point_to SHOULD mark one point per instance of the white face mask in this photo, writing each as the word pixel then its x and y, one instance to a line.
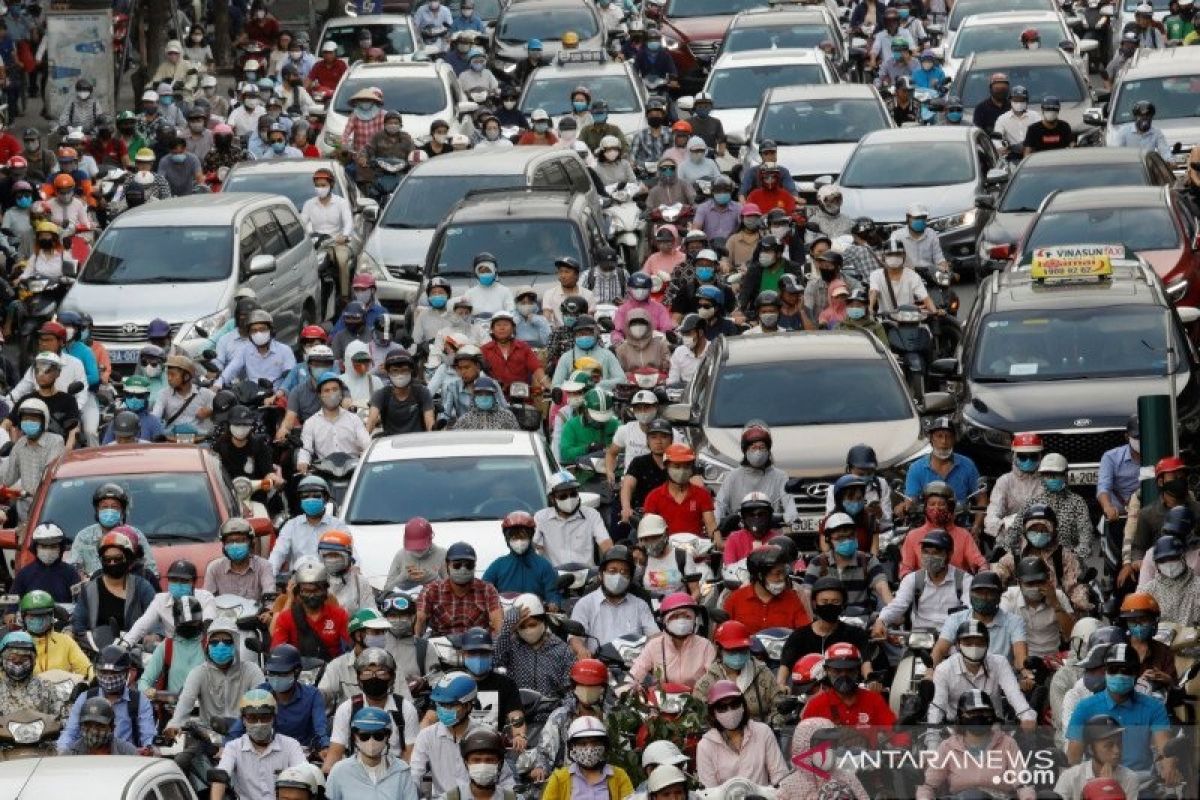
pixel 519 546
pixel 1171 569
pixel 706 313
pixel 322 191
pixel 681 625
pixel 401 380
pixel 894 262
pixel 644 417
pixel 567 505
pixel 1019 107
pixel 975 652
pixel 260 338
pixel 372 748
pixel 484 774
pixel 239 431
pixel 47 555
pixel 532 634
pixel 730 718
pixel 639 330
pixel 639 294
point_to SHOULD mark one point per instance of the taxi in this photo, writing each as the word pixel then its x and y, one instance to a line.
pixel 1063 344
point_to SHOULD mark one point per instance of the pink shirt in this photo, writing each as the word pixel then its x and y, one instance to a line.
pixel 759 761
pixel 660 318
pixel 682 664
pixel 662 262
pixel 966 555
pixel 742 543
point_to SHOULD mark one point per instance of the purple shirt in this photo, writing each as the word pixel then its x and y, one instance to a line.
pixel 582 790
pixel 718 221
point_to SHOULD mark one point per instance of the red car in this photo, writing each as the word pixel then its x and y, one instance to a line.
pixel 180 496
pixel 693 31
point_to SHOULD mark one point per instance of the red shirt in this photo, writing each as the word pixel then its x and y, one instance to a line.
pixel 529 137
pixel 685 517
pixel 767 199
pixel 9 146
pixel 868 713
pixel 517 367
pixel 329 626
pixel 782 611
pixel 265 30
pixel 110 151
pixel 966 555
pixel 327 73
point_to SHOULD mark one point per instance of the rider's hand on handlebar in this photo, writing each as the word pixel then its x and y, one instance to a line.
pixel 1127 573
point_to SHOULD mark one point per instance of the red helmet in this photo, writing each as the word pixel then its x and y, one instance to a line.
pixel 1027 443
pixel 363 281
pixel 518 519
pixel 1169 464
pixel 754 434
pixel 313 332
pixel 323 173
pixel 732 635
pixel 115 538
pixel 843 655
pixel 589 672
pixel 682 126
pixel 676 601
pixel 1102 789
pixel 1030 35
pixel 809 669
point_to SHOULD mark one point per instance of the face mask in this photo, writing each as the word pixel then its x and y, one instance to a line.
pixel 1093 683
pixel 615 583
pixel 260 732
pixel 735 660
pixel 776 588
pixel 37 624
pixel 588 756
pixel 917 225
pixel 260 338
pixel 135 404
pixel 827 275
pixel 938 516
pixel 179 589
pixel 1143 631
pixel 47 555
pixel 372 748
pixel 680 475
pixel 281 683
pixel 1119 684
pixel 766 259
pixel 730 718
pixel 484 774
pixel 477 66
pixel 575 401
pixel 705 274
pixel 541 127
pixel 653 46
pixel 237 552
pixel 973 653
pixel 96 740
pixel 313 601
pixel 484 402
pixel 984 606
pixel 657 549
pixel 196 127
pixel 1176 487
pixel 1143 124
pixel 1054 484
pixel 31 429
pixel 179 158
pixel 1050 116
pixel 856 313
pixel 25 201
pixel 250 102
pixel 1033 594
pixel 478 665
pixel 313 506
pixel 600 117
pixel 829 612
pixel 447 716
pixel 533 633
pixel 108 517
pixel 366 111
pixel 1038 539
pixel 589 695
pixel 487 278
pixel 239 431
pixel 1027 463
pixel 696 157
pixel 375 687
pixel 462 576
pixel 706 313
pixel 852 507
pixel 167 102
pixel 567 137
pixel 847 548
pixel 402 628
pixel 1019 107
pixel 1171 569
pixel 933 564
pixel 321 191
pixel 585 342
pixel 440 138
pixel 337 563
pixel 509 105
pixel 518 546
pixel 682 625
pixel 221 653
pixel 655 121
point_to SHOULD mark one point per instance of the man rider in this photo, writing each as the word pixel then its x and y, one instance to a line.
pixel 252 760
pixel 98 732
pixel 1039 523
pixel 110 502
pixel 134 717
pixel 47 572
pixel 299 707
pixel 611 610
pixel 300 534
pixel 996 103
pixel 1006 632
pixel 19 687
pixel 217 685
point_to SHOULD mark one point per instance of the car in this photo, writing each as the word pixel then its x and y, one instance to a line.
pixel 787 27
pixel 821 392
pixel 102 777
pixel 1068 359
pixel 180 496
pixel 1004 218
pixel 944 167
pixel 1045 73
pixel 546 20
pixel 1001 31
pixel 217 244
pixel 526 229
pixel 1151 221
pixel 1170 79
pixel 395 34
pixel 816 128
pixel 550 87
pixel 421 91
pixel 738 80
pixel 397 247
pixel 1124 16
pixel 463 482
pixel 965 9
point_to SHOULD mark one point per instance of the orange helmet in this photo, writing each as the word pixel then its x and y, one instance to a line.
pixel 679 454
pixel 68 154
pixel 682 126
pixel 517 519
pixel 1027 443
pixel 116 539
pixel 1139 604
pixel 63 182
pixel 314 332
pixel 323 173
pixel 335 542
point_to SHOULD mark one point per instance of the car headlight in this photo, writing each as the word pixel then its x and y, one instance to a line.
pixel 713 469
pixel 367 263
pixel 205 327
pixel 989 436
pixel 953 221
pixel 26 732
pixel 671 43
pixel 332 139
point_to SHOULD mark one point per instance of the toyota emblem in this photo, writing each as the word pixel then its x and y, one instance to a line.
pixel 817 491
pixel 1082 422
pixel 129 329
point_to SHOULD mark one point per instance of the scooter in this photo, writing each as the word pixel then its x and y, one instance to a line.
pixel 521 404
pixel 912 342
pixel 1092 19
pixel 38 298
pixel 907 696
pixel 737 789
pixel 624 222
pixel 388 172
pixel 25 733
pixel 767 646
pixel 337 469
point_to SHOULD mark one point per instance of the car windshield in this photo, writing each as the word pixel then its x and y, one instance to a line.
pixel 423 202
pixel 128 255
pixel 395 40
pixel 486 10
pixel 554 94
pixel 680 9
pixel 743 87
pixel 1072 343
pixel 423 96
pixel 1056 81
pixel 776 37
pixel 1030 186
pixel 1137 228
pixel 518 27
pixel 295 186
pixel 1159 5
pixel 820 121
pixel 995 38
pixel 166 505
pixel 1174 97
pixel 520 248
pixel 817 392
pixel 969 8
pixel 926 163
pixel 445 489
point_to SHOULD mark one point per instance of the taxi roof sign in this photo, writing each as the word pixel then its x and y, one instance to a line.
pixel 1075 262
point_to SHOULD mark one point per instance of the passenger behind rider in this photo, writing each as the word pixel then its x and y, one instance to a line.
pixel 176 656
pixel 1140 614
pixel 939 502
pixel 1006 633
pixel 735 744
pixel 134 716
pixel 1044 607
pixel 943 588
pixel 299 707
pixel 826 629
pixel 47 572
pixel 1013 492
pixel 1176 589
pixel 975 666
pixel 215 687
pixel 977 756
pixel 181 582
pixel 116 594
pixel 339 681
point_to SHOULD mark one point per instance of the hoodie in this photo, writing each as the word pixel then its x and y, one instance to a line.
pixel 664 262
pixel 649 309
pixel 650 351
pixel 360 387
pixel 213 690
pixel 706 169
pixel 806 784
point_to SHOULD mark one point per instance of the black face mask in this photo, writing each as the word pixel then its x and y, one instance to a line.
pixel 1176 487
pixel 187 631
pixel 312 601
pixel 375 687
pixel 116 570
pixel 827 275
pixel 829 612
pixel 655 121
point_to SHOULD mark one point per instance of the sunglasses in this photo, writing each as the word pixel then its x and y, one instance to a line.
pixel 118 560
pixel 378 736
pixel 566 495
pixel 727 705
pixel 462 565
pixel 705 305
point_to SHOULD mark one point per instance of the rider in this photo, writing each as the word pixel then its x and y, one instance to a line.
pixel 48 571
pixel 767 601
pixel 1050 132
pixel 976 666
pixel 54 650
pixel 1013 124
pixel 943 464
pixel 436 751
pixel 611 610
pixel 134 717
pixel 509 360
pixel 1043 606
pixel 688 654
pixel 757 473
pixel 922 247
pixel 1175 587
pixel 460 600
pixel 184 404
pixel 829 601
pixel 591 430
pixel 329 214
pixel 897 284
pixel 372 773
pixel 110 502
pixel 1171 478
pixel 735 744
pixel 927 596
pixel 1103 743
pixel 523 569
pixel 263 357
pixel 259 753
pixel 939 502
pixel 339 681
pixel 176 656
pixel 20 688
pixel 300 534
pixel 1140 615
pixel 1040 526
pixel 1014 490
pixel 116 593
pixel 239 571
pixel 97 721
pixel 996 103
pixel 1120 474
pixel 181 582
pixel 983 754
pixel 215 687
pixel 1006 632
pixel 532 655
pixel 687 508
pixel 312 620
pixel 846 557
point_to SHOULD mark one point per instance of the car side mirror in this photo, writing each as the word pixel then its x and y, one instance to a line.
pixel 944 368
pixel 466 107
pixel 985 202
pixel 995 176
pixel 680 414
pixel 1093 117
pixel 70 268
pixel 1088 45
pixel 1187 315
pixel 370 211
pixel 261 265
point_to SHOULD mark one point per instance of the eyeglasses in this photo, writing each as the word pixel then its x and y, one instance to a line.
pixel 727 705
pixel 150 362
pixel 118 560
pixel 373 673
pixel 258 718
pixel 378 736
pixel 462 565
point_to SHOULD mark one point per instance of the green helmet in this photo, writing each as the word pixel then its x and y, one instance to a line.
pixel 599 405
pixel 37 600
pixel 362 617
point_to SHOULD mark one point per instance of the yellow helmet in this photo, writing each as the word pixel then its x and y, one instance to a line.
pixel 570 39
pixel 587 363
pixel 45 226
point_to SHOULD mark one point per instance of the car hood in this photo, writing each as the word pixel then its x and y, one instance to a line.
pixel 630 124
pixel 399 246
pixel 735 121
pixel 1184 131
pixel 1007 227
pixel 111 304
pixel 816 159
pixel 813 451
pixel 377 545
pixel 168 551
pixel 887 205
pixel 694 29
pixel 1062 404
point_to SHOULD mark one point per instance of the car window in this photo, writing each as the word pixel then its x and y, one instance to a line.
pixel 295 186
pixel 292 227
pixel 395 40
pixel 424 201
pixel 743 87
pixel 1030 186
pixel 269 232
pixel 811 34
pixel 821 121
pixel 419 95
pixel 968 8
pixel 1160 172
pixel 995 38
pixel 927 163
pixel 575 172
pixel 517 27
pixel 127 255
pixel 1136 228
pixel 1059 81
pixel 170 506
pixel 1174 97
pixel 552 93
pixel 247 243
pixel 551 173
pixel 520 246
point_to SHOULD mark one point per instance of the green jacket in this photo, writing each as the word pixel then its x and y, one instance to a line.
pixel 579 438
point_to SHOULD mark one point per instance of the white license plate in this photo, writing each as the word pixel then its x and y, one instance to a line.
pixel 1083 477
pixel 809 523
pixel 124 356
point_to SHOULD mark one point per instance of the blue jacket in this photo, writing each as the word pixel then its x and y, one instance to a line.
pixel 529 572
pixel 151 428
pixel 373 313
pixel 84 354
pixel 72 732
pixel 57 579
pixel 654 63
pixel 303 719
pixel 461 23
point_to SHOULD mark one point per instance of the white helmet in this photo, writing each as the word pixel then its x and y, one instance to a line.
pixel 828 191
pixel 917 210
pixel 320 352
pixel 644 397
pixel 251 65
pixel 665 775
pixel 48 533
pixel 609 142
pixel 1053 462
pixel 309 572
pixel 586 728
pixel 35 406
pixel 531 603
pixel 650 526
pixel 663 751
pixel 305 776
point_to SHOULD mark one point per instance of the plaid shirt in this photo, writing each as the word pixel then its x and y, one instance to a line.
pixel 608 287
pixel 859 261
pixel 562 339
pixel 359 134
pixel 447 612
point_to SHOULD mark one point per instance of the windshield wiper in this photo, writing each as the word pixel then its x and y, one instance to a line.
pixel 187 537
pixel 374 522
pixel 523 272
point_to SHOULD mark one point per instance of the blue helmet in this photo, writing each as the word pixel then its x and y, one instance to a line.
pixel 476 639
pixel 640 280
pixel 19 640
pixel 369 720
pixel 846 482
pixel 712 293
pixel 461 550
pixel 326 377
pixel 1179 522
pixel 454 687
pixel 283 659
pixel 534 44
pixel 1167 548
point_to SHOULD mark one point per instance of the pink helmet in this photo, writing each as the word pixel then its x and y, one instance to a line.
pixel 722 690
pixel 676 601
pixel 222 128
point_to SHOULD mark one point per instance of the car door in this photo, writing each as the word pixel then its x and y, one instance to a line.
pixel 248 247
pixel 281 283
pixel 308 281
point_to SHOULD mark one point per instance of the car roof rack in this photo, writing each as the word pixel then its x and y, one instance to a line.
pixel 581 57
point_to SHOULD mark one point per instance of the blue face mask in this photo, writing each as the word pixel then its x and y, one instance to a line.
pixel 735 660
pixel 722 198
pixel 178 158
pixel 579 105
pixel 855 312
pixel 897 55
pixel 585 342
pixel 477 66
pixel 135 403
pixel 703 112
pixel 917 225
pixel 438 301
pixel 24 201
pixel 1054 484
pixel 167 101
pixel 1119 684
pixel 313 506
pixel 278 147
pixel 487 278
pixel 653 46
pixel 447 715
pixel 1143 630
pixel 281 683
pixel 954 116
pixel 31 429
pixel 1038 539
pixel 904 12
pixel 478 665
pixel 221 653
pixel 179 589
pixel 485 402
pixel 599 117
pixel 108 517
pixel 846 548
pixel 705 274
pixel 853 506
pixel 237 552
pixel 1027 463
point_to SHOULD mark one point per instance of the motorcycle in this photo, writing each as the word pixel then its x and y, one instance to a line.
pixel 65 685
pixel 619 654
pixel 521 404
pixel 738 789
pixel 1092 19
pixel 38 299
pixel 331 270
pixel 388 172
pixel 767 646
pixel 337 469
pixel 25 733
pixel 910 693
pixel 624 228
pixel 677 214
pixel 911 340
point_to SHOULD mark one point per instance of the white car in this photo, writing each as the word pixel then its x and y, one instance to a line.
pixel 739 80
pixel 395 34
pixel 421 91
pixel 99 777
pixel 463 482
pixel 549 88
pixel 1001 31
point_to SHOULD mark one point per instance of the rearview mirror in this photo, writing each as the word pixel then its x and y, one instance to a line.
pixel 75 387
pixel 261 265
pixel 995 176
pixel 944 367
pixel 680 413
pixel 1093 117
pixel 1088 45
pixel 371 212
pixel 589 499
pixel 937 403
pixel 985 202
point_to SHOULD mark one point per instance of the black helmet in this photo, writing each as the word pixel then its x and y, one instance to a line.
pixel 953 103
pixel 110 491
pixel 573 305
pixel 1051 103
pixel 861 456
pixel 126 423
pixel 762 561
pixel 97 709
pixel 1032 569
pixel 114 658
pixel 937 537
pixel 972 627
pixel 1101 726
pixel 864 227
pixel 1039 512
pixel 660 425
pixel 1143 108
pixel 1019 93
pixel 240 415
pixel 830 583
pixel 790 552
pixel 1179 522
pixel 185 610
pixel 987 580
pixel 617 553
pixel 1123 655
pixel 182 568
pixel 223 402
pixel 481 740
pixel 974 702
pixel 83 85
pixel 767 298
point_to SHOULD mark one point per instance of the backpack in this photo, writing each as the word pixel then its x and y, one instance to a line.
pixel 135 699
pixel 358 701
pixel 919 588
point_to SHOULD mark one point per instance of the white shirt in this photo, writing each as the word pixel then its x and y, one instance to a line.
pixel 322 436
pixel 684 364
pixel 605 620
pixel 552 298
pixel 333 218
pixel 631 439
pixel 245 122
pixel 72 371
pixel 935 603
pixel 252 774
pixel 570 539
pixel 1072 698
pixel 490 299
pixel 340 732
pixel 1042 634
pixel 909 290
pixel 995 676
pixel 160 611
pixel 436 752
pixel 298 538
pixel 1012 128
pixel 1073 779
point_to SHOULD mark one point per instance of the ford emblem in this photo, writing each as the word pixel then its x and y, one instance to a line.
pixel 1082 422
pixel 129 329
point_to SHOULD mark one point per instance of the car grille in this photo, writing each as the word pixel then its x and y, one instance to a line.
pixel 126 332
pixel 704 49
pixel 1083 447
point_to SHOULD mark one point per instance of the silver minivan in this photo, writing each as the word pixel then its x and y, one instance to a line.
pixel 182 260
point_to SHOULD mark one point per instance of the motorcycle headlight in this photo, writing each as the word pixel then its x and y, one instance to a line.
pixel 906 317
pixel 942 224
pixel 942 277
pixel 209 325
pixel 921 640
pixel 38 285
pixel 26 732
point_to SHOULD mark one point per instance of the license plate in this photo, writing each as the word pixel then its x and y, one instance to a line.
pixel 809 523
pixel 124 356
pixel 1083 477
